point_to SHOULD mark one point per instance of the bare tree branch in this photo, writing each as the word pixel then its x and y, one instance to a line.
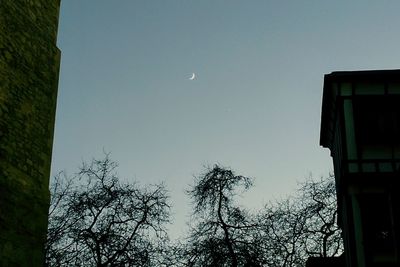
pixel 95 220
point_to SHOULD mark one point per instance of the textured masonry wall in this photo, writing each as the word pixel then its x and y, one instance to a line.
pixel 29 65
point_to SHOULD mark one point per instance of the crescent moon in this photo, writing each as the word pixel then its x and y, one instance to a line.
pixel 193 77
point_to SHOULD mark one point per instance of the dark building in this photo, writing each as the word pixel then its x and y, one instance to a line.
pixel 361 127
pixel 29 66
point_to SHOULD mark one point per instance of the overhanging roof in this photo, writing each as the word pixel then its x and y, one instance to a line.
pixel 328 98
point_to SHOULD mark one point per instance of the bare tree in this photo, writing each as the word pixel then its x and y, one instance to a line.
pixel 280 231
pixel 57 244
pixel 96 220
pixel 283 234
pixel 293 229
pixel 322 234
pixel 219 236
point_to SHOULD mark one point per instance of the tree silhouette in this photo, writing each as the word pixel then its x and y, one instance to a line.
pixel 282 234
pixel 293 229
pixel 219 235
pixel 96 220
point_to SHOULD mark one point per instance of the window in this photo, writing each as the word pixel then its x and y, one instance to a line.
pixel 377 120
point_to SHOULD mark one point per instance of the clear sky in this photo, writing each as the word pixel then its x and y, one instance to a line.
pixel 255 103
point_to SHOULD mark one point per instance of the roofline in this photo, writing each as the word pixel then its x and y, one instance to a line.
pixel 391 75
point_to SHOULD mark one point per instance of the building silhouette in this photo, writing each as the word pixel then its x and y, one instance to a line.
pixel 29 67
pixel 360 125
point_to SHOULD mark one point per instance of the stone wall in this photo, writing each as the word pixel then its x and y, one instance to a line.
pixel 29 66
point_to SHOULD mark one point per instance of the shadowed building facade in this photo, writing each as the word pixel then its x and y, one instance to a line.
pixel 361 127
pixel 29 67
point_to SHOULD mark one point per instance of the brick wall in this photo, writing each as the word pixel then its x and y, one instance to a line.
pixel 29 66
